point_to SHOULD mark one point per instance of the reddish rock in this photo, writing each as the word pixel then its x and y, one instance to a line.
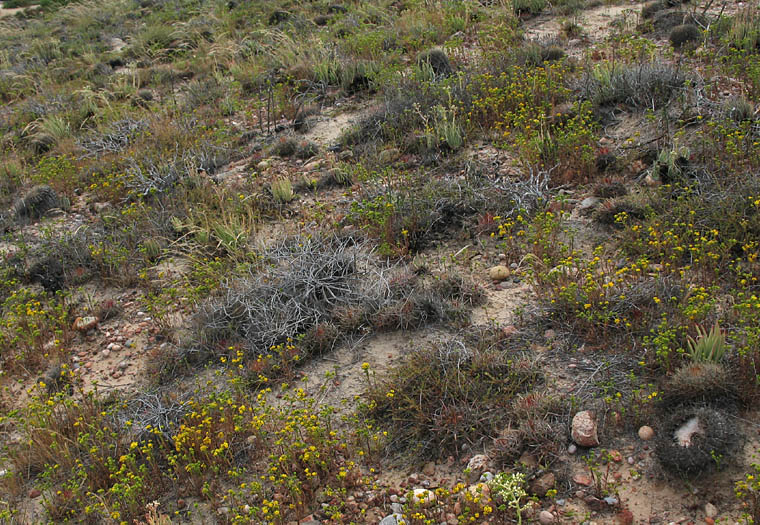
pixel 624 517
pixel 542 485
pixel 509 330
pixel 34 493
pixel 594 503
pixel 582 479
pixel 584 429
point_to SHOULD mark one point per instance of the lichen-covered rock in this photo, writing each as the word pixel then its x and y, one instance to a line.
pixel 584 429
pixel 498 273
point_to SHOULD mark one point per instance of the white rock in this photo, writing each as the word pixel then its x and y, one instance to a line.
pixel 423 497
pixel 711 510
pixel 589 203
pixel 393 519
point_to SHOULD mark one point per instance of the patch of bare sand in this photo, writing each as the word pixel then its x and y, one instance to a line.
pixel 328 129
pixel 500 305
pixel 337 377
pixel 10 11
pixel 595 22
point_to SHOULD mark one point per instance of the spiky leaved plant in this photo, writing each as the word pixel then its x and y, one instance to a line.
pixel 708 347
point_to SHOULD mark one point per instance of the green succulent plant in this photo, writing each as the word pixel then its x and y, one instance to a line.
pixel 708 347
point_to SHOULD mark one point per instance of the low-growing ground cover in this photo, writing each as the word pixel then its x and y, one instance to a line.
pixel 253 255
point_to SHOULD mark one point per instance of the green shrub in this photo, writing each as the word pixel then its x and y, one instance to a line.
pixel 152 41
pixel 738 109
pixel 742 31
pixel 45 134
pixel 747 490
pixel 535 53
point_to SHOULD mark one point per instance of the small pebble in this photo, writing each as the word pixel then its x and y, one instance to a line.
pixel 545 517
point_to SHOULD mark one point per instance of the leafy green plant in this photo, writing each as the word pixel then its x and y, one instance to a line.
pixel 447 129
pixel 742 30
pixel 747 490
pixel 602 484
pixel 510 487
pixel 708 347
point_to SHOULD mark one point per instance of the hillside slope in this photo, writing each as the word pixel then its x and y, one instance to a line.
pixel 411 261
